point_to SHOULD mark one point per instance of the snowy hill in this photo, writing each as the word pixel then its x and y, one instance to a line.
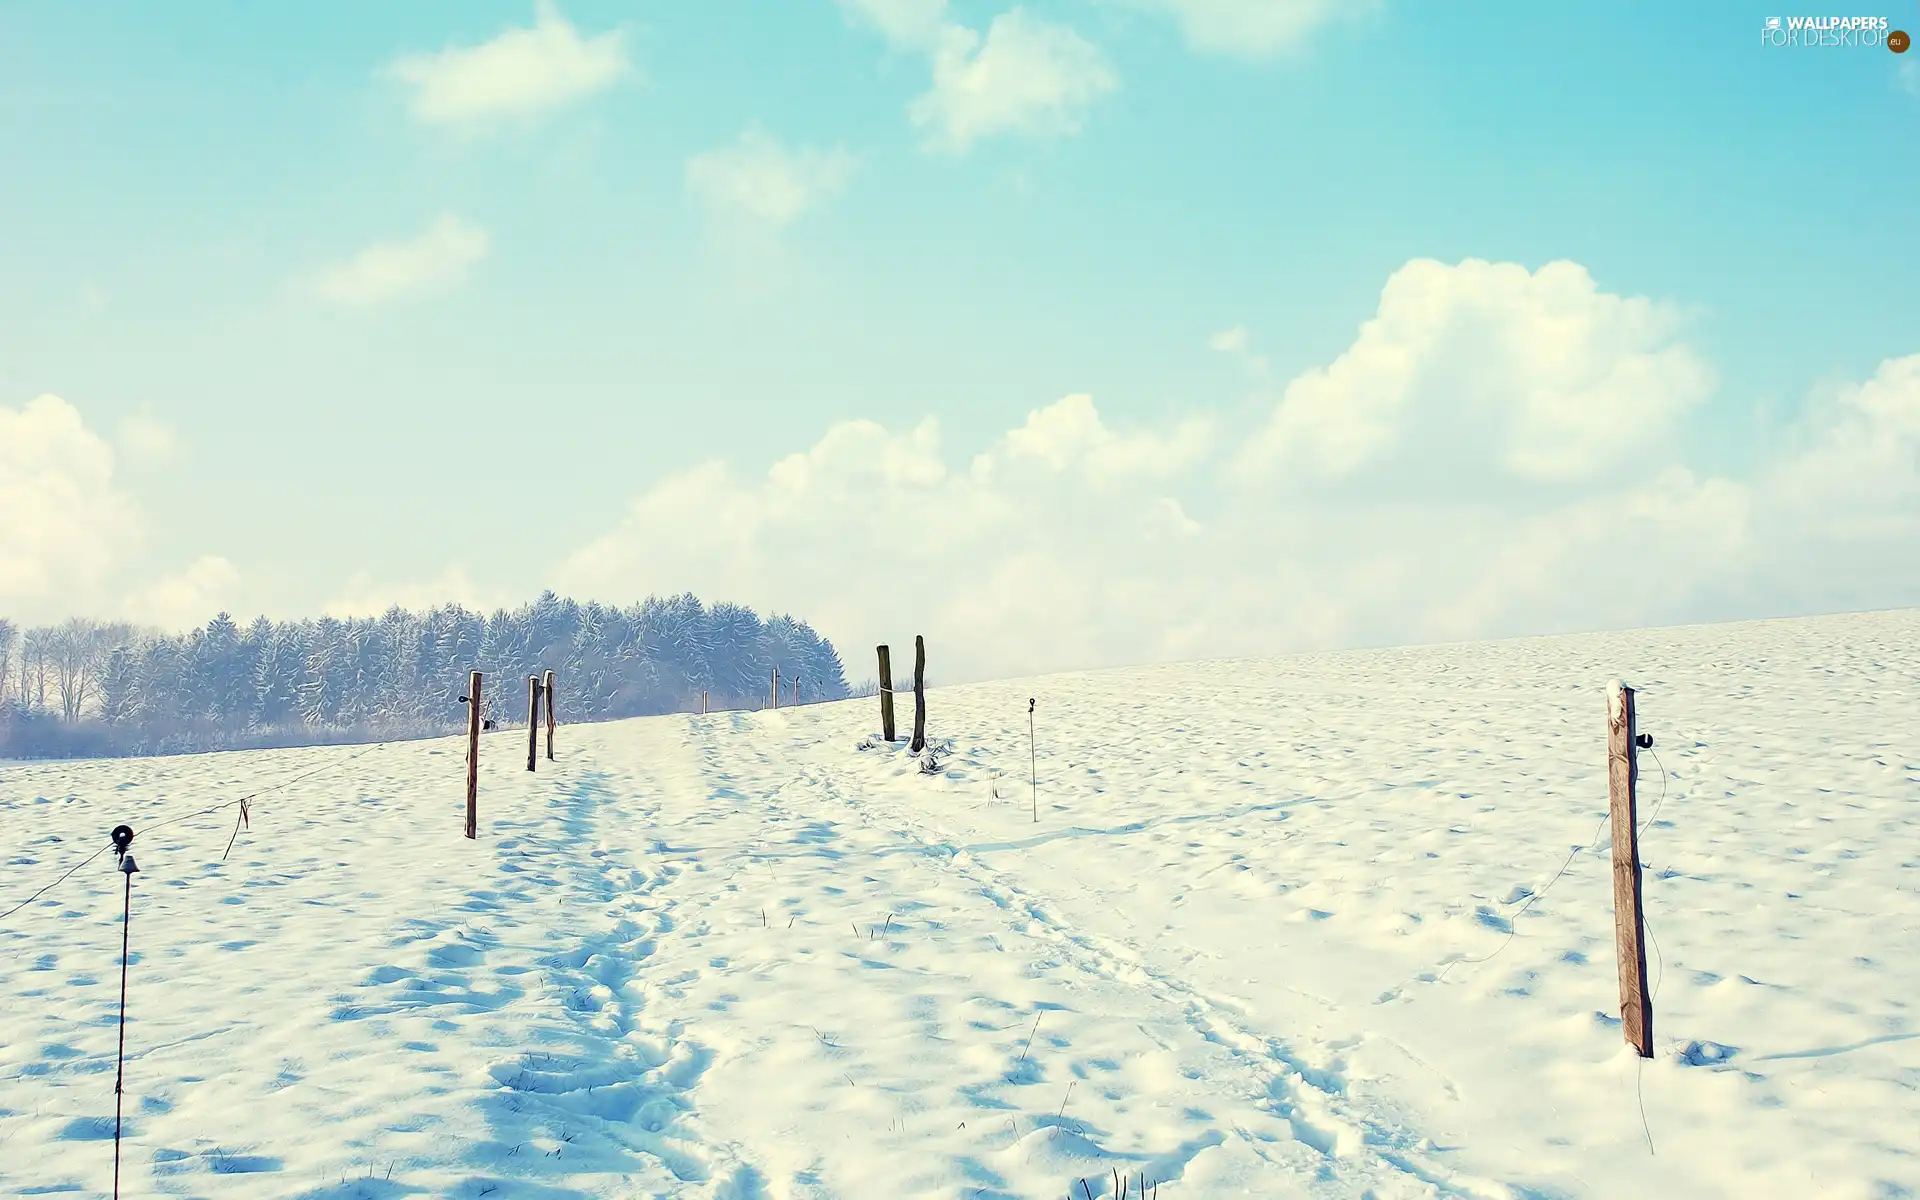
pixel 1260 941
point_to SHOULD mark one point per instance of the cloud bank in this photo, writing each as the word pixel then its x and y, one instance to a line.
pixel 72 531
pixel 1495 453
pixel 1498 451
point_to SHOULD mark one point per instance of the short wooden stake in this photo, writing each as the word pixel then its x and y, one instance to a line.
pixel 546 698
pixel 796 691
pixel 1629 924
pixel 533 721
pixel 886 693
pixel 473 752
pixel 703 702
pixel 919 694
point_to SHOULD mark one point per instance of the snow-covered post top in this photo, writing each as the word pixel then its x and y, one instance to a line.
pixel 1616 701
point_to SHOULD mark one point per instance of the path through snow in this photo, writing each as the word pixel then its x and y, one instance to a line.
pixel 1260 941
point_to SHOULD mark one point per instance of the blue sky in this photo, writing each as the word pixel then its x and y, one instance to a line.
pixel 628 244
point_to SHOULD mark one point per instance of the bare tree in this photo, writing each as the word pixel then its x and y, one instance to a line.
pixel 9 633
pixel 77 649
pixel 34 656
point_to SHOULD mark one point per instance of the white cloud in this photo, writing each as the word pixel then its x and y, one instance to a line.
pixel 1617 556
pixel 70 529
pixel 186 600
pixel 1238 344
pixel 1253 28
pixel 1229 341
pixel 388 270
pixel 1070 435
pixel 1862 447
pixel 870 526
pixel 520 73
pixel 906 24
pixel 363 596
pixel 145 438
pixel 1539 374
pixel 66 523
pixel 757 180
pixel 1025 76
pixel 1072 541
pixel 1838 516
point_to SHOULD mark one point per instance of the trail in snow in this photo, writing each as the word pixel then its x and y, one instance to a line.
pixel 759 955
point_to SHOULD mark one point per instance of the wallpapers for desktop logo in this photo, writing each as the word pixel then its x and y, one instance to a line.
pixel 1832 32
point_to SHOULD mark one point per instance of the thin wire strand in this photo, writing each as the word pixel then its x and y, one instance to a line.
pixel 1659 961
pixel 1663 795
pixel 285 783
pixel 1639 1092
pixel 1513 923
pixel 56 883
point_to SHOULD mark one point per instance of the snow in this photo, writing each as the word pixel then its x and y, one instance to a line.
pixel 1286 927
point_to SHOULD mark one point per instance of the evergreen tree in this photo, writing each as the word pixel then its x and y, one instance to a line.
pixel 119 679
pixel 399 674
pixel 277 676
pixel 323 683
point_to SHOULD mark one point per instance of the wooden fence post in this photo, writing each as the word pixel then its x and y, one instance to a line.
pixel 703 702
pixel 1629 925
pixel 473 751
pixel 886 693
pixel 533 721
pixel 796 691
pixel 546 698
pixel 919 694
pixel 776 687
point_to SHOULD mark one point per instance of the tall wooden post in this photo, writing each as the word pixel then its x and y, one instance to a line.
pixel 776 687
pixel 886 693
pixel 796 691
pixel 473 752
pixel 1629 926
pixel 919 694
pixel 546 698
pixel 703 702
pixel 533 721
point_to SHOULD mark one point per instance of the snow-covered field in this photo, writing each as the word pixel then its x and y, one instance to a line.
pixel 752 955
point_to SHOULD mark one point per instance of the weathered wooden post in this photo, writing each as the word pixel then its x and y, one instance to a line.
pixel 546 698
pixel 776 687
pixel 886 693
pixel 919 694
pixel 703 702
pixel 473 752
pixel 796 691
pixel 533 721
pixel 1629 925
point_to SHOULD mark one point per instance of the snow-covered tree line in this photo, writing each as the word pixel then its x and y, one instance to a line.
pixel 88 688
